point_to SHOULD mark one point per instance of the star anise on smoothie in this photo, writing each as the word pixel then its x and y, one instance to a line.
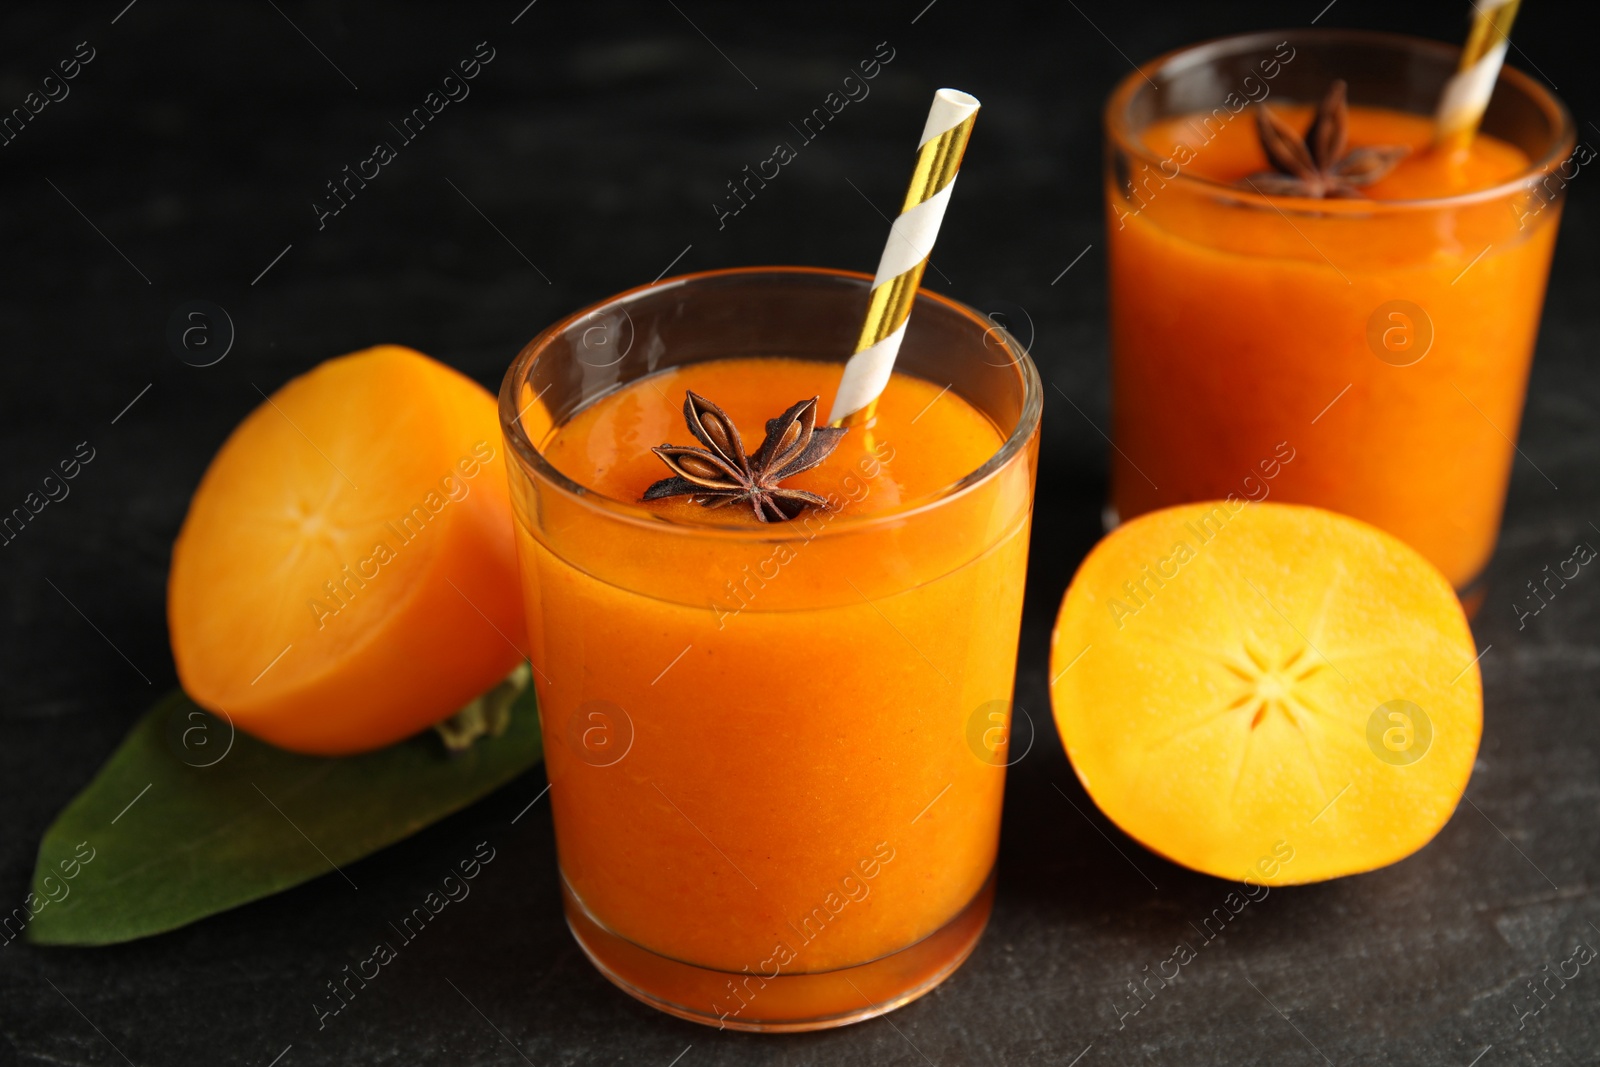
pixel 722 473
pixel 1318 165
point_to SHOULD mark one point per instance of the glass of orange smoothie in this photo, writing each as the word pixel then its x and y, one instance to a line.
pixel 775 771
pixel 1367 354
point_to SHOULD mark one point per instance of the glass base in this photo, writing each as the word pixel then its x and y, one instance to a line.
pixel 738 1000
pixel 1472 594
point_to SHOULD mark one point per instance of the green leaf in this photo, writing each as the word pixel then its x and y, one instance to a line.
pixel 189 818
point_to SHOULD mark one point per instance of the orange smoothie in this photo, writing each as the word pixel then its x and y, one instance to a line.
pixel 757 735
pixel 1382 344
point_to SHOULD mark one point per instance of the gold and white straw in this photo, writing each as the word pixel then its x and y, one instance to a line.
pixel 1466 94
pixel 944 139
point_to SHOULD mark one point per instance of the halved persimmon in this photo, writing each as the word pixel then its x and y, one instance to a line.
pixel 1266 691
pixel 346 574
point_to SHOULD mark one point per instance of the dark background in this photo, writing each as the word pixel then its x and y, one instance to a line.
pixel 596 142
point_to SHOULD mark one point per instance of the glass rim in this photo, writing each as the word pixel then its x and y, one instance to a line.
pixel 1119 130
pixel 536 466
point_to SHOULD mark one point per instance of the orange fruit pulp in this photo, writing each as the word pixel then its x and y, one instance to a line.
pixel 1388 348
pixel 756 735
pixel 345 575
pixel 1266 692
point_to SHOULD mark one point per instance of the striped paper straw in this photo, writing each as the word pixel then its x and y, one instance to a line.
pixel 944 139
pixel 1466 94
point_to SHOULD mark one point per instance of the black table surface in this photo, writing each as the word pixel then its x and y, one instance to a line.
pixel 184 165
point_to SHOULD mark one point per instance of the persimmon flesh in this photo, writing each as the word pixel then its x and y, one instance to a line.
pixel 346 574
pixel 1239 683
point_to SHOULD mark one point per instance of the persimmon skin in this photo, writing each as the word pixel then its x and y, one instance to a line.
pixel 346 574
pixel 1219 707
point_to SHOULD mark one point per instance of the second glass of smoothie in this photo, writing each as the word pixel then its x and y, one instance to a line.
pixel 1366 355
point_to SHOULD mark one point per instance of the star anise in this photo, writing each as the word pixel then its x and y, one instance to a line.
pixel 1318 165
pixel 722 474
